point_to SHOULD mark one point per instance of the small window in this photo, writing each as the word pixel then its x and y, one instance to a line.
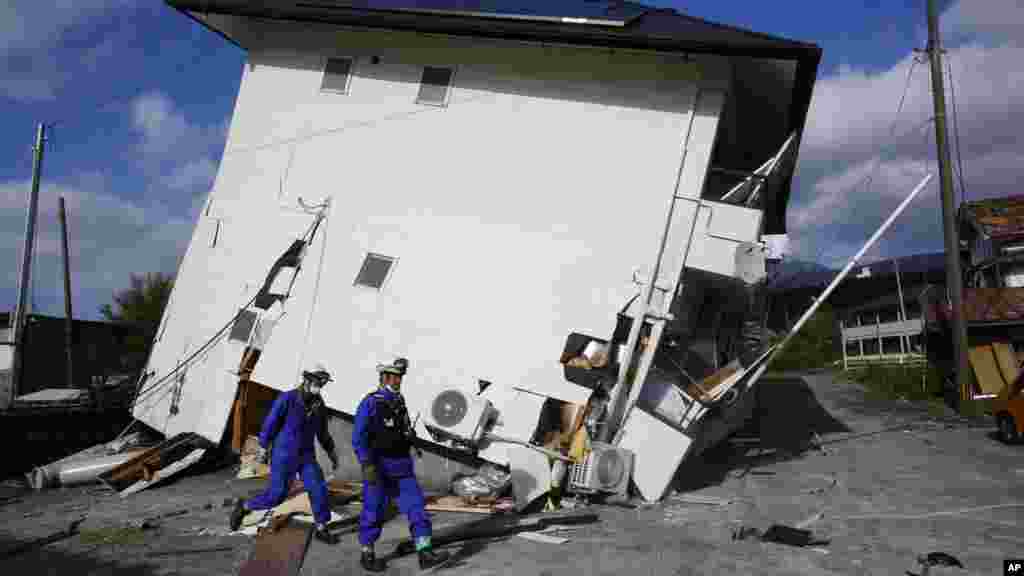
pixel 374 271
pixel 243 326
pixel 337 72
pixel 434 86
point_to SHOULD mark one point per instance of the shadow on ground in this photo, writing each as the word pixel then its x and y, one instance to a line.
pixel 49 559
pixel 786 417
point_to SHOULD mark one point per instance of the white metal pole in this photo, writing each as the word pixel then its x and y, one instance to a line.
pixel 18 323
pixel 839 278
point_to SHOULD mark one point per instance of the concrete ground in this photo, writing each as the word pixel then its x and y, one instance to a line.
pixel 885 483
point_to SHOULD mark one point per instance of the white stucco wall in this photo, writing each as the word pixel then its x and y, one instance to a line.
pixel 518 213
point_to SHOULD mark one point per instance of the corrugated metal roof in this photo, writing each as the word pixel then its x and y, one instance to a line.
pixel 999 218
pixel 981 306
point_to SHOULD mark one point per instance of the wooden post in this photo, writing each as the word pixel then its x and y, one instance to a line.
pixel 69 319
pixel 954 280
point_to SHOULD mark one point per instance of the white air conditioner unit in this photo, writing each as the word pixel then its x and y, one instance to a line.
pixel 607 468
pixel 460 415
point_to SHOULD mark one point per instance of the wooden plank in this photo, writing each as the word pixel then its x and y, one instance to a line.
pixel 166 472
pixel 983 360
pixel 279 552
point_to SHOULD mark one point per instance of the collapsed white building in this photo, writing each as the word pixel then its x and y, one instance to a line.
pixel 467 189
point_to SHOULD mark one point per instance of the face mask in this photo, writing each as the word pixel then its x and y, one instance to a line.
pixel 314 390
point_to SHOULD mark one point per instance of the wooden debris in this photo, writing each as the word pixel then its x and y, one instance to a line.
pixel 461 504
pixel 155 463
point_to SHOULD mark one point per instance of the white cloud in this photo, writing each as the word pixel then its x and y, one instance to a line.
pixel 31 33
pixel 194 175
pixel 167 134
pixel 850 131
pixel 110 238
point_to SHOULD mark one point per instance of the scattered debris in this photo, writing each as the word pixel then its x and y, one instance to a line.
pixel 488 481
pixel 156 463
pixel 486 505
pixel 250 466
pixel 780 534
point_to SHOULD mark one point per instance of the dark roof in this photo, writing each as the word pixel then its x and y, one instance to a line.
pixel 910 296
pixel 998 218
pixel 661 29
pixel 802 276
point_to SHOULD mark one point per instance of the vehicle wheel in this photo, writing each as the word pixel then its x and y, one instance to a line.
pixel 1007 429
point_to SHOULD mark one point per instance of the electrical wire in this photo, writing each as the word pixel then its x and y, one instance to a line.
pixel 147 392
pixel 956 134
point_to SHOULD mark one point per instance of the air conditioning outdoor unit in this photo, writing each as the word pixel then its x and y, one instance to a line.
pixel 606 468
pixel 460 415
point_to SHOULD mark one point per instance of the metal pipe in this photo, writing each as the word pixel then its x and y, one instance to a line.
pixel 82 471
pixel 839 278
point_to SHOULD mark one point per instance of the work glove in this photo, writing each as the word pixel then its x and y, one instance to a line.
pixel 370 474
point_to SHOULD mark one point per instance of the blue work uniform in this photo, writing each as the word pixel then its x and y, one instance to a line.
pixel 382 436
pixel 291 427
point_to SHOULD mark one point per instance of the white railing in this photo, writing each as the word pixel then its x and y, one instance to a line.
pixel 853 362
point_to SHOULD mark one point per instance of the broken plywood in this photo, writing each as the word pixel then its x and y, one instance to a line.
pixel 279 552
pixel 986 371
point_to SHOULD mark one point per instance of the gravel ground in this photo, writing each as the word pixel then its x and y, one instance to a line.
pixel 882 481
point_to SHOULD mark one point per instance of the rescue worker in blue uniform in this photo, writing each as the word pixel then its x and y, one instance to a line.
pixel 382 439
pixel 287 440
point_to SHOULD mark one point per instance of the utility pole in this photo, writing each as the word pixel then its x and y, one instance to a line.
pixel 69 319
pixel 26 267
pixel 954 280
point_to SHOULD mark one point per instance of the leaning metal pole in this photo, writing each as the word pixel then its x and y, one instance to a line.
pixel 18 325
pixel 839 278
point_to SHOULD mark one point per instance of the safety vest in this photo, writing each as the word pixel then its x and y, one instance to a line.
pixel 390 429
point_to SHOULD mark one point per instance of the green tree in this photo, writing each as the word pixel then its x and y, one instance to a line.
pixel 141 305
pixel 813 346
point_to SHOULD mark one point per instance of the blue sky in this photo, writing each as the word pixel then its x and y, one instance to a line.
pixel 142 96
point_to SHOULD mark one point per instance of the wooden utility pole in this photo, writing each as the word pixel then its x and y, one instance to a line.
pixel 69 319
pixel 954 279
pixel 18 324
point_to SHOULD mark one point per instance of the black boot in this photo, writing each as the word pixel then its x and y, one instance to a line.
pixel 369 561
pixel 237 514
pixel 430 559
pixel 324 536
